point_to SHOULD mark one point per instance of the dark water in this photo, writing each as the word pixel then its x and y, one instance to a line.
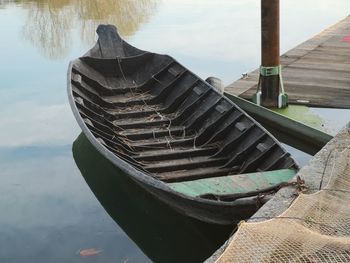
pixel 48 211
pixel 163 234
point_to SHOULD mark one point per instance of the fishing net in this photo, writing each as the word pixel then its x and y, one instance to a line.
pixel 315 228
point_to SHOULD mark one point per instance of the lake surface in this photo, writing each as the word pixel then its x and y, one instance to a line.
pixel 49 213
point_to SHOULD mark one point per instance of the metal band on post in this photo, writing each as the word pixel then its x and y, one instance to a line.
pixel 269 71
pixel 282 100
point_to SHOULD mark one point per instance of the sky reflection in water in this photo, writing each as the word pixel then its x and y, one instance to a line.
pixel 48 210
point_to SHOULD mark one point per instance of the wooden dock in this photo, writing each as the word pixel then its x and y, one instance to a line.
pixel 316 73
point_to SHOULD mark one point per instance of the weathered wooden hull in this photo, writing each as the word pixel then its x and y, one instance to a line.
pixel 160 123
pixel 212 212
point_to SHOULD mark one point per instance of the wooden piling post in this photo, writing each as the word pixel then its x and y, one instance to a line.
pixel 270 70
pixel 270 48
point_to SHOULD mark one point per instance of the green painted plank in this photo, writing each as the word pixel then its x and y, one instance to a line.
pixel 233 184
pixel 304 115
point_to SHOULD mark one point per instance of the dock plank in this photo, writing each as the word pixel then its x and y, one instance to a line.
pixel 316 72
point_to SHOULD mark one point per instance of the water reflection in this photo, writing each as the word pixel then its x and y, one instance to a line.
pixel 52 24
pixel 162 234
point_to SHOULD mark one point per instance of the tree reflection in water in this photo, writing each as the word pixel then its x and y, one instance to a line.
pixel 50 24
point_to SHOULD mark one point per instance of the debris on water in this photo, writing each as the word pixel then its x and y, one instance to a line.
pixel 89 252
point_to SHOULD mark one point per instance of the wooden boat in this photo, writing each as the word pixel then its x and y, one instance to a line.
pixel 173 133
